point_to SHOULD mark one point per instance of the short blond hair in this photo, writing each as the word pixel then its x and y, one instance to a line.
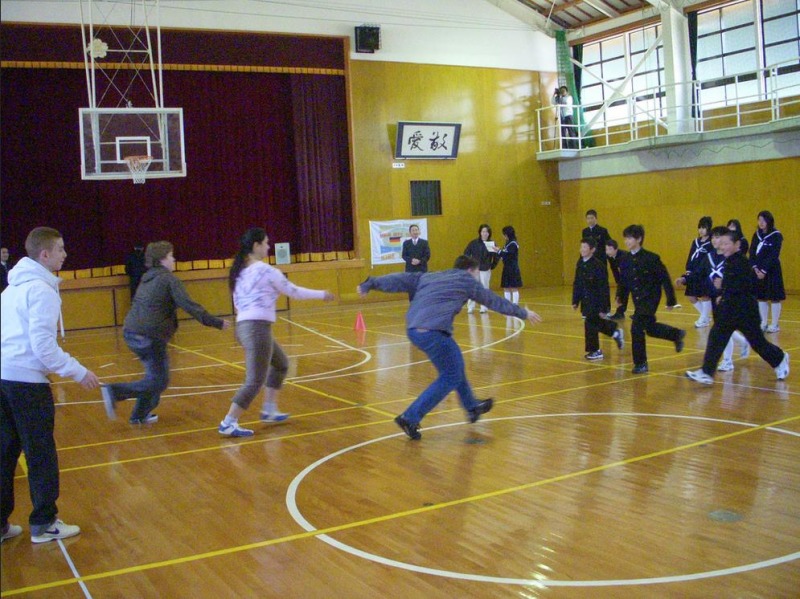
pixel 156 252
pixel 40 239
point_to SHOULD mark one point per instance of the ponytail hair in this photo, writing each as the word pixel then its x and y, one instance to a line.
pixel 246 242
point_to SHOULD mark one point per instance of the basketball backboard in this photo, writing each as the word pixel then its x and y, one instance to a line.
pixel 109 135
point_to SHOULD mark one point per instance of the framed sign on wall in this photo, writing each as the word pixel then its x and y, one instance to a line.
pixel 427 140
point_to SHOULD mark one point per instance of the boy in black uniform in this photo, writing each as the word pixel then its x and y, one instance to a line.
pixel 737 308
pixel 600 236
pixel 590 291
pixel 614 255
pixel 642 274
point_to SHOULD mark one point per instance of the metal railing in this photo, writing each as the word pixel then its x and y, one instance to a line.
pixel 750 98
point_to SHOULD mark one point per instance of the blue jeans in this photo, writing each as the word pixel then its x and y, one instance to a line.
pixel 27 420
pixel 147 391
pixel 445 355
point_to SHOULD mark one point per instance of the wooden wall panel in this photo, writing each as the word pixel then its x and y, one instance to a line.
pixel 496 177
pixel 669 204
pixel 89 308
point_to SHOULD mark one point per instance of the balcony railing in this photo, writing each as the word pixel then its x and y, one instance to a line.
pixel 751 98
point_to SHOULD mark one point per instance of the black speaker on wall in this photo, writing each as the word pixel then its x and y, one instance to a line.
pixel 368 38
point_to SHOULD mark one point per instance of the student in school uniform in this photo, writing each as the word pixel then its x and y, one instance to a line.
pixel 765 259
pixel 600 236
pixel 615 256
pixel 735 225
pixel 708 272
pixel 643 275
pixel 589 292
pixel 478 249
pixel 737 308
pixel 511 279
pixel 698 251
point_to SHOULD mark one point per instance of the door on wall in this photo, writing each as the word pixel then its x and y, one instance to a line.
pixel 547 260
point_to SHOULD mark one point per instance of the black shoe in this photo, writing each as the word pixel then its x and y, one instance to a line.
pixel 412 430
pixel 640 369
pixel 482 407
pixel 679 341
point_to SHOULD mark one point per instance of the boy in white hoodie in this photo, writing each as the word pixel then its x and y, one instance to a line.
pixel 31 308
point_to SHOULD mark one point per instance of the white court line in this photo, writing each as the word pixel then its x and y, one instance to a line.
pixel 322 376
pixel 367 355
pixel 74 570
pixel 291 504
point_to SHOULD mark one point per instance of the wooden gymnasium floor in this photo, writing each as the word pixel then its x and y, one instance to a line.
pixel 584 481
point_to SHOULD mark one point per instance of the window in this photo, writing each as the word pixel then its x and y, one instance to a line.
pixel 780 20
pixel 726 48
pixel 426 198
pixel 610 61
pixel 728 56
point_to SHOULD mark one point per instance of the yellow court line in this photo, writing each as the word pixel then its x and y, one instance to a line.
pixel 336 429
pixel 388 517
pixel 238 444
pixel 239 367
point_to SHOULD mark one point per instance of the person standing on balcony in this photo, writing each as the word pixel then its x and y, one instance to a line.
pixel 563 102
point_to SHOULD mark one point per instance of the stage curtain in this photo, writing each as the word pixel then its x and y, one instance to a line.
pixel 240 137
pixel 322 160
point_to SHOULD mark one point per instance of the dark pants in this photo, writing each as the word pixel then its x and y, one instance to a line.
pixel 749 324
pixel 568 134
pixel 620 311
pixel 147 391
pixel 592 327
pixel 27 421
pixel 641 324
pixel 446 356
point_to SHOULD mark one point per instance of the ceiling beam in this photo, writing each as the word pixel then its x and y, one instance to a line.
pixel 603 8
pixel 527 15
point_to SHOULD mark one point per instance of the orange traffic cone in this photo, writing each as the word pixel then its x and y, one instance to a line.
pixel 360 326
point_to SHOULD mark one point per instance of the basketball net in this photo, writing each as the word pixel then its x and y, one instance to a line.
pixel 138 166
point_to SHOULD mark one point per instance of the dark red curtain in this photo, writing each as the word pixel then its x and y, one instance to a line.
pixel 322 157
pixel 242 163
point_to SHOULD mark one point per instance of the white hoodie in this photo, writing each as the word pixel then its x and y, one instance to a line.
pixel 257 289
pixel 31 308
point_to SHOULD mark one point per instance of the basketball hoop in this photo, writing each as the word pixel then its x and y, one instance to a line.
pixel 139 166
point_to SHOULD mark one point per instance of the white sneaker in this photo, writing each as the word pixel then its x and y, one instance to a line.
pixel 12 530
pixel 470 310
pixel 725 366
pixel 701 323
pixel 273 417
pixel 484 310
pixel 57 530
pixel 234 430
pixel 745 351
pixel 700 376
pixel 773 328
pixel 782 370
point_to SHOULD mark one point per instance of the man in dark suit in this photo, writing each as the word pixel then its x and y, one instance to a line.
pixel 416 251
pixel 642 274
